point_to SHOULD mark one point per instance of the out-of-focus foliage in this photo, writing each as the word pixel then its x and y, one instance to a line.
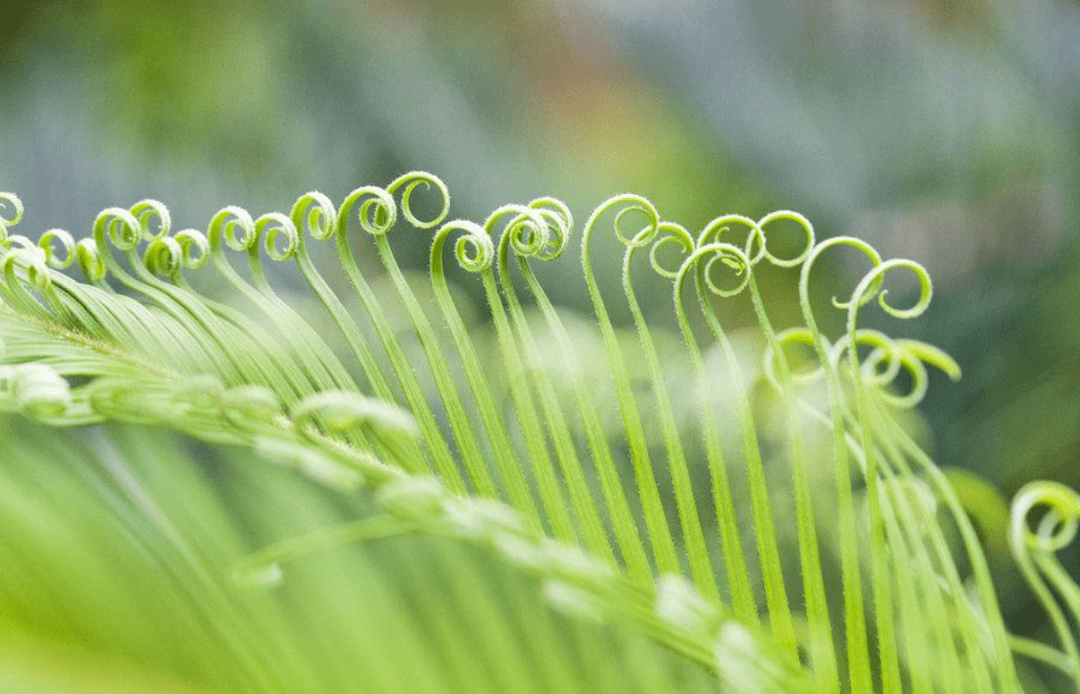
pixel 119 554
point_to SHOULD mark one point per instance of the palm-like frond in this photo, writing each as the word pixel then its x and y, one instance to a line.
pixel 639 520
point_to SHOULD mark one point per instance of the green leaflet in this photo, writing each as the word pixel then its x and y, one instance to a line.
pixel 133 537
pixel 668 518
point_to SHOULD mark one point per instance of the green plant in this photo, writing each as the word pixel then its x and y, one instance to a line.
pixel 639 509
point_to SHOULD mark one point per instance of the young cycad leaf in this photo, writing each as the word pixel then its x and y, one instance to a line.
pixel 475 439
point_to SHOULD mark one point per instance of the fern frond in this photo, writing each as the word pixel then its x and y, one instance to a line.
pixel 475 439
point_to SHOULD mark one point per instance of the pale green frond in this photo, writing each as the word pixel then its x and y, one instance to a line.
pixel 694 508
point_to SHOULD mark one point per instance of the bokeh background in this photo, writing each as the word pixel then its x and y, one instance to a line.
pixel 944 131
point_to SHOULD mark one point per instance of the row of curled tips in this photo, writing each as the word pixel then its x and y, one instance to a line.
pixel 540 229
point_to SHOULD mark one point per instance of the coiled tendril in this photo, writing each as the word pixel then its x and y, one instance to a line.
pixel 871 286
pixel 628 207
pixel 46 244
pixel 794 336
pixel 1035 553
pixel 235 227
pixel 11 209
pixel 803 222
pixel 194 248
pixel 526 229
pixel 668 233
pixel 11 212
pixel 154 219
pixel 905 356
pixel 375 207
pixel 756 247
pixel 704 259
pixel 715 230
pixel 804 279
pixel 473 250
pixel 118 227
pixel 560 223
pixel 887 359
pixel 315 215
pixel 23 249
pixel 884 352
pixel 188 249
pixel 408 183
pixel 164 256
pixel 1057 528
pixel 279 236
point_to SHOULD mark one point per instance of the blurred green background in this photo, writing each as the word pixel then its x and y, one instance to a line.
pixel 947 132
